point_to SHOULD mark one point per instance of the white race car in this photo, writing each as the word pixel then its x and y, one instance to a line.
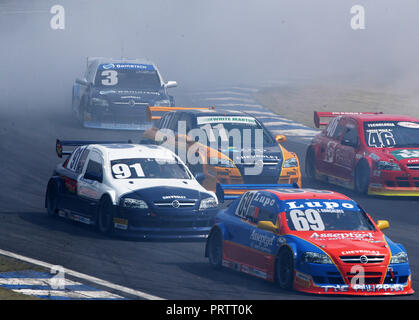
pixel 142 190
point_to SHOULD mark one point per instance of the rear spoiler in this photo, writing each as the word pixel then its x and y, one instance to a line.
pixel 234 191
pixel 155 113
pixel 59 144
pixel 318 115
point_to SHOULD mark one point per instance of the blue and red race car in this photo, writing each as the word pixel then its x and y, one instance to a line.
pixel 373 153
pixel 313 241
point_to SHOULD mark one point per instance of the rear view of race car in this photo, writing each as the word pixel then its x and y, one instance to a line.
pixel 114 94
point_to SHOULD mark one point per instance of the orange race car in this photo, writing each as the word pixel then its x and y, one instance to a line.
pixel 224 147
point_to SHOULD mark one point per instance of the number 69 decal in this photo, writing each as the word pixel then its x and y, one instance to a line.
pixel 306 220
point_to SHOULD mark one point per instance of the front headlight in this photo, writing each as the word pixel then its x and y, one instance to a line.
pixel 400 257
pixel 290 163
pixel 207 203
pixel 386 165
pixel 134 203
pixel 100 102
pixel 314 257
pixel 162 103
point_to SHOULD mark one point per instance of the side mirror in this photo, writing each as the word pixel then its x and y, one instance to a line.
pixel 170 84
pixel 280 138
pixel 200 176
pixel 267 225
pixel 91 175
pixel 383 224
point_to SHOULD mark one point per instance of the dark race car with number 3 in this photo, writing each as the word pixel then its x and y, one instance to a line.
pixel 373 153
pixel 315 241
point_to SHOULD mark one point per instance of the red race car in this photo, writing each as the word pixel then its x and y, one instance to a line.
pixel 373 153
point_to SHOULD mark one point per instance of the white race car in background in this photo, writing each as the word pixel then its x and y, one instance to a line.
pixel 142 190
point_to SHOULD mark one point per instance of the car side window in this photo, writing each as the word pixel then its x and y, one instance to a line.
pixel 350 135
pixel 94 169
pixel 74 158
pixel 334 128
pixel 266 214
pixel 82 161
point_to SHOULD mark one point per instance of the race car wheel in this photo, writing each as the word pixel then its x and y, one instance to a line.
pixel 51 200
pixel 362 177
pixel 310 164
pixel 105 216
pixel 285 269
pixel 215 249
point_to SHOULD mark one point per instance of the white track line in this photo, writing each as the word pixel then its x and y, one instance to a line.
pixel 83 276
pixel 78 294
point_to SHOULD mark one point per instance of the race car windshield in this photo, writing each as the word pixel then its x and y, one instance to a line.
pixel 310 219
pixel 226 129
pixel 148 168
pixel 128 78
pixel 391 134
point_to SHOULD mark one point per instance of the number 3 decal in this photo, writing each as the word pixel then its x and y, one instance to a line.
pixel 110 77
pixel 306 220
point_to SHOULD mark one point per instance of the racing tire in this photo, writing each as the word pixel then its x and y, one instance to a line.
pixel 215 249
pixel 362 177
pixel 51 200
pixel 105 215
pixel 285 269
pixel 310 164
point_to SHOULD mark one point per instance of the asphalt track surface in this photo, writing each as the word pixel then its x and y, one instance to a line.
pixel 167 269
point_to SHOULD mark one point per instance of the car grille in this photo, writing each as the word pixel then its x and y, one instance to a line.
pixel 362 259
pixel 413 166
pixel 175 204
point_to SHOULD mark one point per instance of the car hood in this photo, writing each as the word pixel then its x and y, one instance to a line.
pixel 121 95
pixel 158 189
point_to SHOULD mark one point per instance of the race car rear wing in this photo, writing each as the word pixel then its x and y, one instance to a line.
pixel 155 113
pixel 59 144
pixel 234 191
pixel 334 114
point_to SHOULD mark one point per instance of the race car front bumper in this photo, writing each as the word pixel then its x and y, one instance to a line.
pixel 394 183
pixel 376 281
pixel 165 223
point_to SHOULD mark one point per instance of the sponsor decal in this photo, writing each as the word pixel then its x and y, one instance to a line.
pixel 120 223
pixel 342 236
pixel 261 241
pixel 405 154
pixel 405 124
pixel 380 124
pixel 173 197
pixel 264 200
pixel 332 205
pixel 364 288
pixel 134 66
pixel 226 119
